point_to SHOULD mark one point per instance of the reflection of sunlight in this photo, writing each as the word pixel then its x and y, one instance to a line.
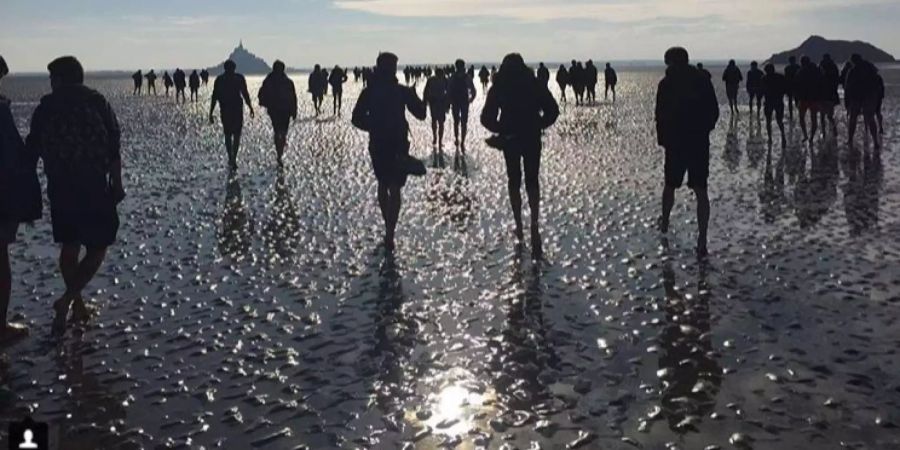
pixel 454 408
pixel 455 404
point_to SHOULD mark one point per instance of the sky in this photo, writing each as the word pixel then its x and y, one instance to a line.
pixel 132 34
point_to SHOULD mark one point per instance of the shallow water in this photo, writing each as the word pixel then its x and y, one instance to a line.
pixel 257 310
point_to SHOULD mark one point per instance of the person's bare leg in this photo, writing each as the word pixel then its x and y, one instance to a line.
pixel 851 126
pixel 814 125
pixel 87 269
pixel 395 201
pixel 702 219
pixel 769 127
pixel 872 127
pixel 434 124
pixel 802 114
pixel 880 117
pixel 533 189
pixel 441 135
pixel 668 201
pixel 236 146
pixel 464 126
pixel 68 267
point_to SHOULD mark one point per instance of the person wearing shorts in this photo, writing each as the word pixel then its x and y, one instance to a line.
pixel 381 112
pixel 462 94
pixel 84 178
pixel 230 92
pixel 808 92
pixel 686 112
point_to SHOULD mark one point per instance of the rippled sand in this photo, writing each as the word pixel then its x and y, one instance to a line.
pixel 257 311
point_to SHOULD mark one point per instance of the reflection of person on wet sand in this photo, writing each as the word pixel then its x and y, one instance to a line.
pixel 522 352
pixel 518 108
pixel 755 143
pixel 282 229
pixel 686 112
pixel 236 234
pixel 732 154
pixel 862 191
pixel 690 373
pixel 771 190
pixel 84 178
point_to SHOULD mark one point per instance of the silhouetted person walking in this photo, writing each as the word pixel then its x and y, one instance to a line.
pixel 437 98
pixel 704 71
pixel 484 76
pixel 167 82
pixel 278 95
pixel 518 108
pixel 576 79
pixel 591 76
pixel 336 80
pixel 543 74
pixel 879 94
pixel 611 79
pixel 84 178
pixel 831 79
pixel 194 83
pixel 180 83
pixel 230 93
pixel 462 94
pixel 562 80
pixel 790 73
pixel 151 82
pixel 138 79
pixel 862 92
pixel 204 76
pixel 686 112
pixel 808 91
pixel 20 201
pixel 755 87
pixel 381 111
pixel 774 89
pixel 316 87
pixel 732 78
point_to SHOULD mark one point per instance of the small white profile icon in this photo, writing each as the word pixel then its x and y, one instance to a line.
pixel 27 438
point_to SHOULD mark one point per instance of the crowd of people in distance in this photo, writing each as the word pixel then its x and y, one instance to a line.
pixel 814 89
pixel 179 80
pixel 583 79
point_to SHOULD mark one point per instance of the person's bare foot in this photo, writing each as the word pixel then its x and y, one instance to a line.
pixel 519 234
pixel 61 308
pixel 389 244
pixel 12 332
pixel 81 312
pixel 663 225
pixel 702 251
pixel 537 245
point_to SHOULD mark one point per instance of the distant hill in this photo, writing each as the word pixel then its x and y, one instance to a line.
pixel 816 46
pixel 247 63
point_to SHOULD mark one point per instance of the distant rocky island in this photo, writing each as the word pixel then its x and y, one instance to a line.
pixel 247 63
pixel 840 51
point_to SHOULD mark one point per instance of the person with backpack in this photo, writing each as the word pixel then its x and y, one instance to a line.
pixel 20 201
pixel 230 91
pixel 462 94
pixel 381 112
pixel 686 112
pixel 278 95
pixel 84 178
pixel 517 109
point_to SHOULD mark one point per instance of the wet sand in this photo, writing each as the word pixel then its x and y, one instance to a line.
pixel 258 311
